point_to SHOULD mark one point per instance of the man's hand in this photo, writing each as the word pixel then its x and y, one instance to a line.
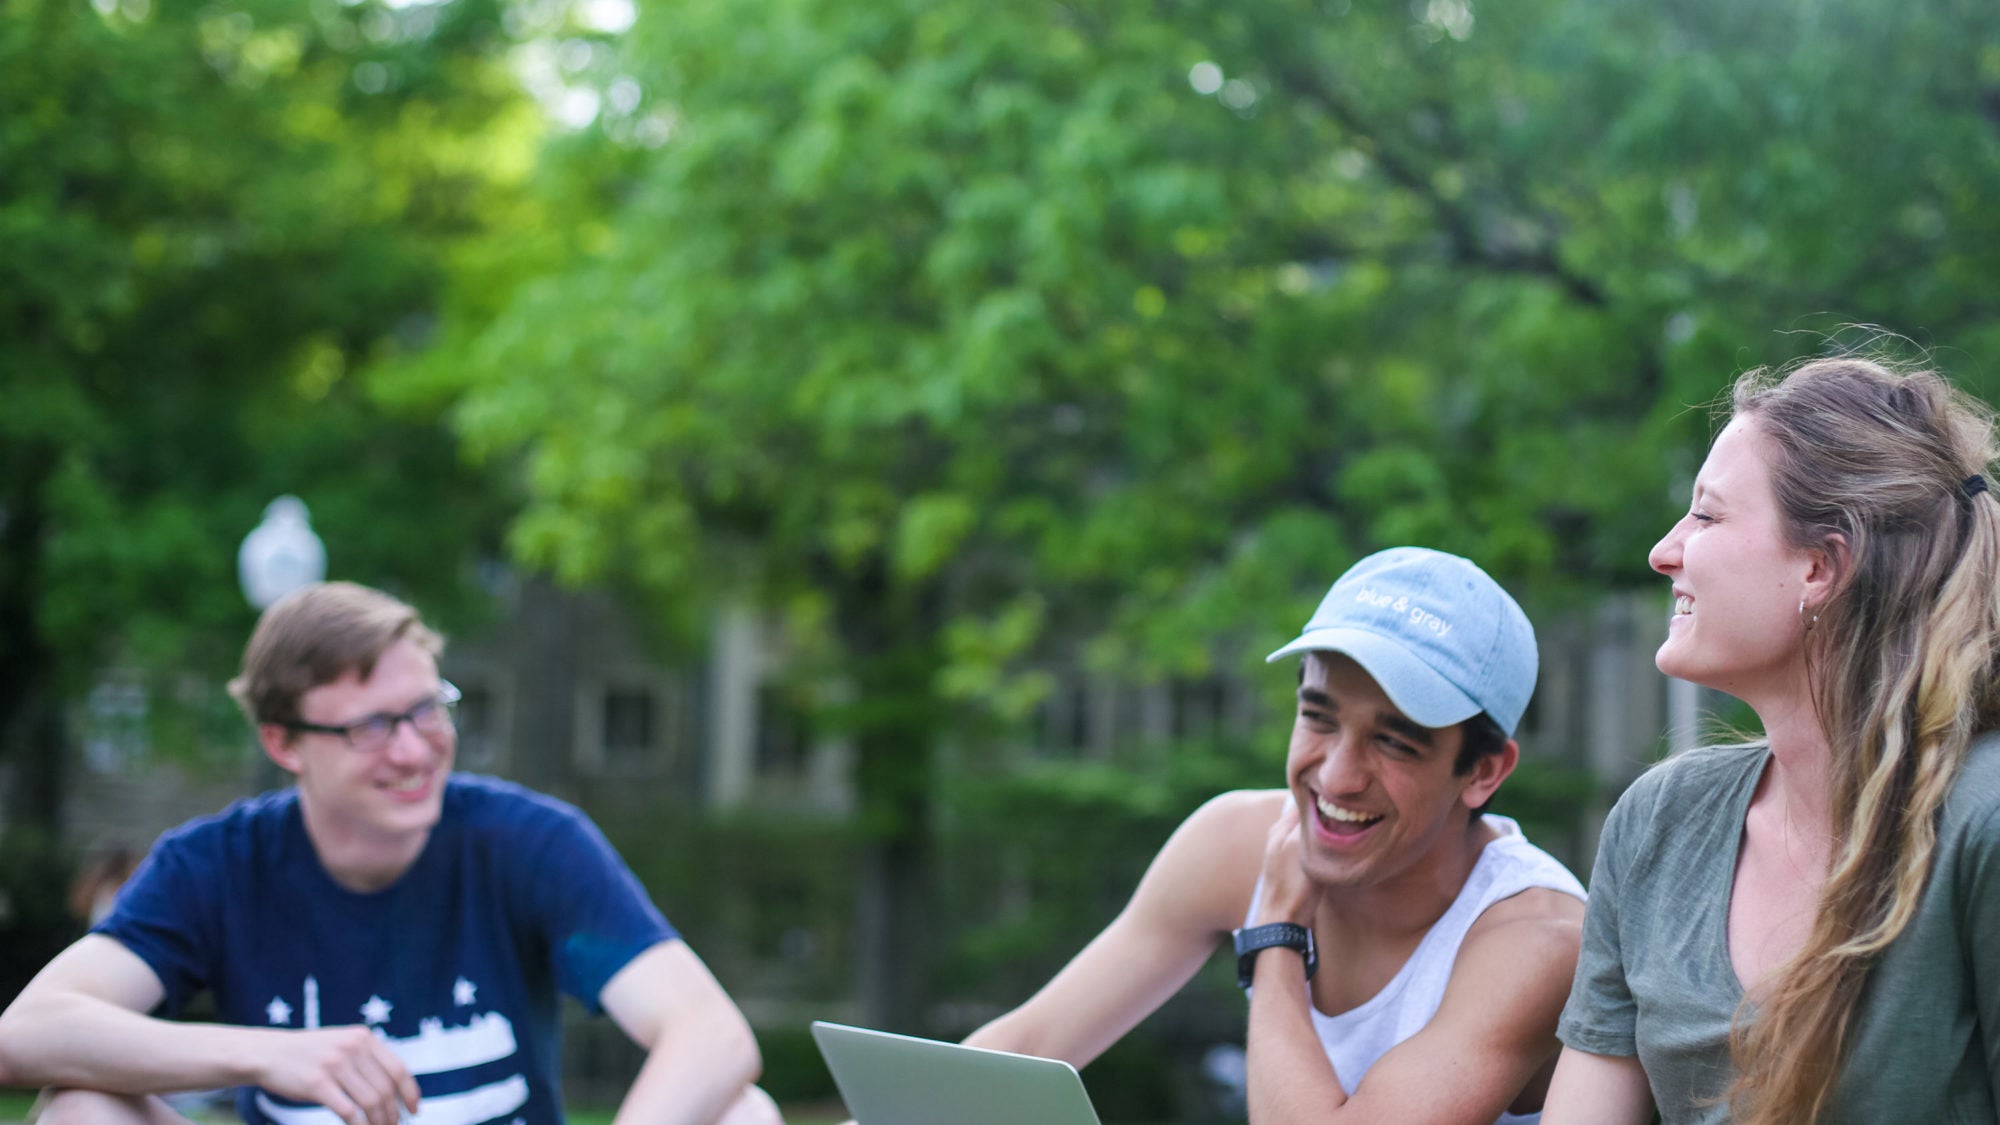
pixel 80 1025
pixel 1288 895
pixel 349 1070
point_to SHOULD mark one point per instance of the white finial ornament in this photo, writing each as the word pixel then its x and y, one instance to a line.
pixel 281 554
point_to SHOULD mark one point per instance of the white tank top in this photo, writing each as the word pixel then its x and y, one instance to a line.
pixel 1354 1039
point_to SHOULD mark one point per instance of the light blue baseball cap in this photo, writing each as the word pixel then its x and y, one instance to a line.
pixel 1443 640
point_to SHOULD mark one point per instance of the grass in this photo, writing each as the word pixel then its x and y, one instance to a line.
pixel 817 1114
pixel 794 1115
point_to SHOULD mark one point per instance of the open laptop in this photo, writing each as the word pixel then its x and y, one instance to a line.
pixel 890 1079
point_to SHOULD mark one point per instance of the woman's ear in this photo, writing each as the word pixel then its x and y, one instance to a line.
pixel 1826 571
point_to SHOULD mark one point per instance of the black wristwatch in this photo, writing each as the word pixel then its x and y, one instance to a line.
pixel 1252 940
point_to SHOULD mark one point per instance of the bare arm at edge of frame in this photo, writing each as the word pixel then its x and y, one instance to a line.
pixel 82 1023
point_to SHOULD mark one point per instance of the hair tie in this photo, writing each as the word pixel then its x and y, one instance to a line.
pixel 1972 485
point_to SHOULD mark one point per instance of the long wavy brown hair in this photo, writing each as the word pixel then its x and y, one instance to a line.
pixel 1902 664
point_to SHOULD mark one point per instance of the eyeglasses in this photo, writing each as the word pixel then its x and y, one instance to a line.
pixel 430 716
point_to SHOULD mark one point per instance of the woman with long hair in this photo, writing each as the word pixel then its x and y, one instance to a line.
pixel 1806 928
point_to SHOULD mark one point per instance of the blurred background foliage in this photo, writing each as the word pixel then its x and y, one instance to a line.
pixel 206 230
pixel 976 340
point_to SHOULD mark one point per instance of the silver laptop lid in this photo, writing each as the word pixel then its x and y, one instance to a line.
pixel 890 1079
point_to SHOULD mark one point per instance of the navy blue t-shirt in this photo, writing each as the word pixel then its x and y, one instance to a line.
pixel 457 964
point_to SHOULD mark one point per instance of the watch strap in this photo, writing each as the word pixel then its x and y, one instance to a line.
pixel 1252 940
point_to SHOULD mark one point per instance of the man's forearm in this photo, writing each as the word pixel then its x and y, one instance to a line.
pixel 692 1076
pixel 1290 1077
pixel 1011 1032
pixel 74 1040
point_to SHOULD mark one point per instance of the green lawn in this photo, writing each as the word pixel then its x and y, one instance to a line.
pixel 794 1115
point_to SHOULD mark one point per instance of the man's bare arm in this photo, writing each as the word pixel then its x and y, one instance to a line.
pixel 1492 1033
pixel 1195 890
pixel 81 1023
pixel 701 1057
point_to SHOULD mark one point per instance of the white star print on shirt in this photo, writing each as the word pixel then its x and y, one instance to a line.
pixel 376 1010
pixel 279 1011
pixel 463 992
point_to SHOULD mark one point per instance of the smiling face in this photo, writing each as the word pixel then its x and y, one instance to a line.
pixel 368 808
pixel 1376 793
pixel 1737 582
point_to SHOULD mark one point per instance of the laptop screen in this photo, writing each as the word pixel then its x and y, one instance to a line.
pixel 888 1079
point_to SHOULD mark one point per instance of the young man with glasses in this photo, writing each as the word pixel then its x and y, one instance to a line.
pixel 383 940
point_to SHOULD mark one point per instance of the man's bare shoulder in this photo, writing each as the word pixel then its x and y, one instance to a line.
pixel 1526 941
pixel 1229 831
pixel 1535 903
pixel 1205 874
pixel 1538 919
pixel 1240 811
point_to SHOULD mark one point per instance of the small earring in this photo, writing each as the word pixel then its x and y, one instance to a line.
pixel 1809 622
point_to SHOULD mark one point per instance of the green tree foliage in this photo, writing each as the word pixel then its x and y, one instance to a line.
pixel 210 216
pixel 971 333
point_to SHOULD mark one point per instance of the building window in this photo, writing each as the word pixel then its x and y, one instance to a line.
pixel 1201 709
pixel 477 721
pixel 783 736
pixel 630 728
pixel 1063 724
pixel 636 724
pixel 114 725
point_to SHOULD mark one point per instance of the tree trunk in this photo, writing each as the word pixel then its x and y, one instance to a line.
pixel 893 949
pixel 891 638
pixel 31 741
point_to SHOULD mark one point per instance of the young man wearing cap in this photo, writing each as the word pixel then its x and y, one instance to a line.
pixel 1409 954
pixel 383 941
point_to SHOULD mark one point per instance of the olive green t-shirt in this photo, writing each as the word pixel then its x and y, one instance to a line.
pixel 1654 977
